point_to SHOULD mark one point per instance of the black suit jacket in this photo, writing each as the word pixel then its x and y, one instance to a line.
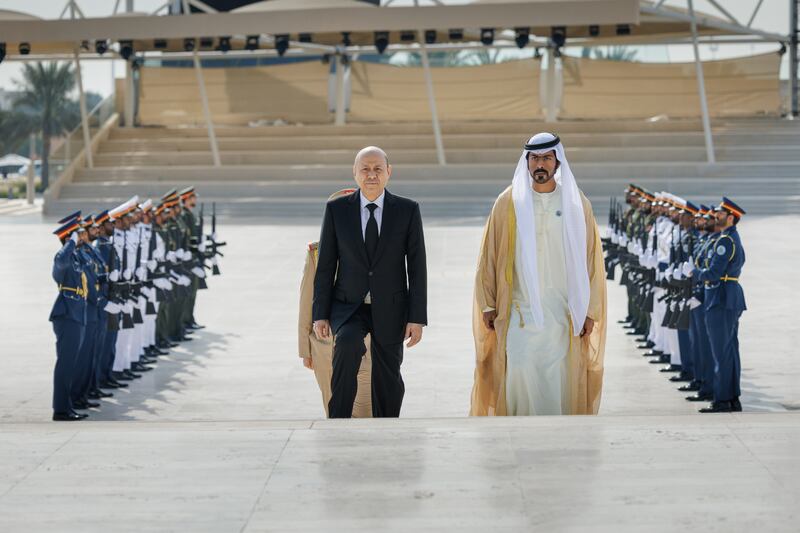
pixel 396 280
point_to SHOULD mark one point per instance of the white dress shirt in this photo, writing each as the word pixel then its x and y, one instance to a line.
pixel 365 213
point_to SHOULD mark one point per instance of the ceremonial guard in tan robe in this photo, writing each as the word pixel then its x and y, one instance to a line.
pixel 321 351
pixel 541 282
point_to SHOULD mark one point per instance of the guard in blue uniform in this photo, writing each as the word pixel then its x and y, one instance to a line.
pixel 110 315
pixel 68 314
pixel 724 304
pixel 703 383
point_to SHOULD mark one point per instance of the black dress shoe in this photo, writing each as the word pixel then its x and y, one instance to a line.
pixel 147 360
pixel 195 325
pixel 632 332
pixel 159 351
pixel 122 376
pixel 640 339
pixel 671 368
pixel 131 375
pixel 624 320
pixel 139 367
pixel 736 405
pixel 85 405
pixel 628 326
pixel 82 415
pixel 186 339
pixel 97 394
pixel 691 387
pixel 653 353
pixel 646 346
pixel 108 385
pixel 663 358
pixel 699 398
pixel 717 407
pixel 680 378
pixel 67 417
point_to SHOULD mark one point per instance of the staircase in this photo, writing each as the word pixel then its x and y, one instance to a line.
pixel 287 172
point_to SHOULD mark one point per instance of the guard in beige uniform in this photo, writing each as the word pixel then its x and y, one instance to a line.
pixel 318 354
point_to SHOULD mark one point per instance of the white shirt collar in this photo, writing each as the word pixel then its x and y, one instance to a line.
pixel 378 201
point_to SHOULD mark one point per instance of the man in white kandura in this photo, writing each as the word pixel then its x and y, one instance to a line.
pixel 540 300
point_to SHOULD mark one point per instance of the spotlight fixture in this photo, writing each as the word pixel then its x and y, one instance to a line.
pixel 206 42
pixel 251 43
pixel 430 36
pixel 487 36
pixel 522 36
pixel 160 44
pixel 346 38
pixel 558 35
pixel 100 46
pixel 126 49
pixel 305 37
pixel 623 29
pixel 594 30
pixel 224 44
pixel 455 34
pixel 24 48
pixel 282 43
pixel 84 46
pixel 407 36
pixel 381 41
pixel 2 52
pixel 188 44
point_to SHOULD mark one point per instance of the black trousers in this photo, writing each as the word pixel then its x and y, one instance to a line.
pixel 348 349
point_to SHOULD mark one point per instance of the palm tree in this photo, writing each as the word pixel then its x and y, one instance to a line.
pixel 45 89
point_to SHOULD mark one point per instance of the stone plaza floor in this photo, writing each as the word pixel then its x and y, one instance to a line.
pixel 226 434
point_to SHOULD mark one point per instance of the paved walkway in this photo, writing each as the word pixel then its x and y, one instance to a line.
pixel 227 436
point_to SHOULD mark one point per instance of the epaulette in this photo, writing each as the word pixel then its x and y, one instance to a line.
pixel 312 246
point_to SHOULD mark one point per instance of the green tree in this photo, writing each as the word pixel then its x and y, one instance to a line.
pixel 45 89
pixel 14 128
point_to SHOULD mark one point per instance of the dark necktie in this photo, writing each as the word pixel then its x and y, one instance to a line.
pixel 371 234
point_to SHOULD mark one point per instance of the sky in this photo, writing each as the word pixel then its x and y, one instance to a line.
pixel 98 75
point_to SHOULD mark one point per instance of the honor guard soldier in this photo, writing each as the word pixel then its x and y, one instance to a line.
pixel 68 314
pixel 724 304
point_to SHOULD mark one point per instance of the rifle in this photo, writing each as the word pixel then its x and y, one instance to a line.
pixel 125 292
pixel 137 285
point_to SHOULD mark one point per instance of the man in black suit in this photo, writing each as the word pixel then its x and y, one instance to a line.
pixel 371 279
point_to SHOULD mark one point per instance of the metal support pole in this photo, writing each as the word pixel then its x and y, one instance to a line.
pixel 198 69
pixel 550 111
pixel 212 136
pixel 701 88
pixel 341 101
pixel 437 131
pixel 30 189
pixel 87 138
pixel 793 56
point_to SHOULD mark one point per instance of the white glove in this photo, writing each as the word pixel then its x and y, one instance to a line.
pixel 171 257
pixel 152 264
pixel 113 275
pixel 687 269
pixel 127 274
pixel 140 273
pixel 214 237
pixel 186 281
pixel 694 303
pixel 668 272
pixel 202 247
pixel 167 284
pixel 199 272
pixel 111 308
pixel 74 237
pixel 128 307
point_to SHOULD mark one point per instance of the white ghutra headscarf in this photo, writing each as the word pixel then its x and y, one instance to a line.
pixel 574 231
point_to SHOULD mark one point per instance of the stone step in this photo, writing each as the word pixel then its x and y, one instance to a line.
pixel 298 173
pixel 521 127
pixel 390 142
pixel 454 156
